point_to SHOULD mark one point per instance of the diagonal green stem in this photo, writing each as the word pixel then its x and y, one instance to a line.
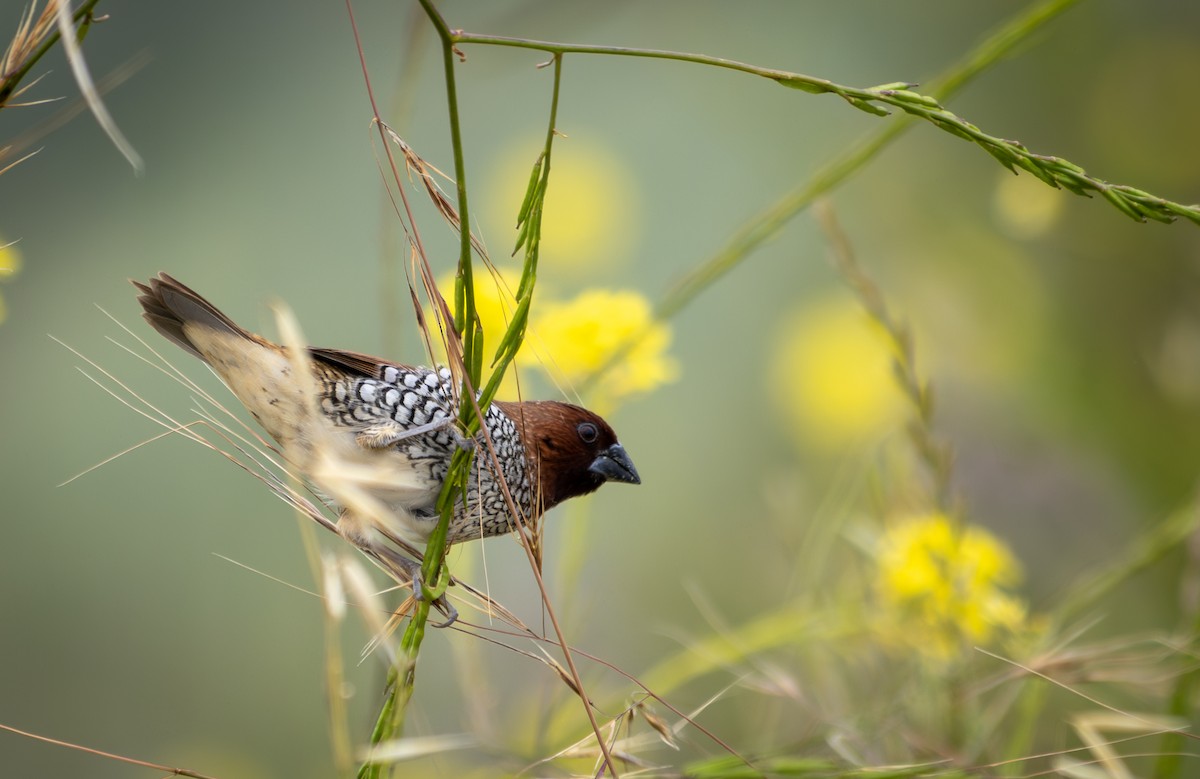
pixel 767 224
pixel 401 679
pixel 1054 171
pixel 466 319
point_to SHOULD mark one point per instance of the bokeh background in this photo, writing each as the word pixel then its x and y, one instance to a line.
pixel 1063 338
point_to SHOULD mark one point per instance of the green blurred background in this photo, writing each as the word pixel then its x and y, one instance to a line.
pixel 1066 350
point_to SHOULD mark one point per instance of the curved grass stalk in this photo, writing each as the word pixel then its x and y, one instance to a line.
pixel 466 360
pixel 915 106
pixel 1054 171
pixel 767 224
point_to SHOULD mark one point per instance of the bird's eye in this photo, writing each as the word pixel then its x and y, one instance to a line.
pixel 587 432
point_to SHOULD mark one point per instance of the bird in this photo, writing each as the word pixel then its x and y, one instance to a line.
pixel 401 421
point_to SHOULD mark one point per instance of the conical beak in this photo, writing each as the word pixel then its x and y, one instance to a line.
pixel 614 465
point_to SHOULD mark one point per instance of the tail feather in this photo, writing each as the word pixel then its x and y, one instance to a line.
pixel 257 371
pixel 168 305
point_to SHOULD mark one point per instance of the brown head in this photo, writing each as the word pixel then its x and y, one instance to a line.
pixel 572 450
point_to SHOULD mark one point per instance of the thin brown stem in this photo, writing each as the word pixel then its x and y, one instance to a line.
pixel 110 755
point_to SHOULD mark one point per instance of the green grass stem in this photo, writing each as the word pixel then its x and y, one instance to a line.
pixel 832 174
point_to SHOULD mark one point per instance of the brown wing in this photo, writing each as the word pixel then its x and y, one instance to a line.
pixel 354 363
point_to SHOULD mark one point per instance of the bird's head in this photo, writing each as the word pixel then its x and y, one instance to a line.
pixel 572 450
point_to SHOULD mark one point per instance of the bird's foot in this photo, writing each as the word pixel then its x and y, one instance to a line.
pixel 433 595
pixel 436 596
pixel 389 433
pixel 460 440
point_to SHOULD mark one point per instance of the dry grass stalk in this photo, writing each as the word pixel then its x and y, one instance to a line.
pixel 36 33
pixel 32 31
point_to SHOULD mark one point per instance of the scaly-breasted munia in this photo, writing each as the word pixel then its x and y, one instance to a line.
pixel 400 420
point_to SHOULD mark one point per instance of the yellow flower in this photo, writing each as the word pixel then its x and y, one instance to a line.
pixel 590 216
pixel 831 375
pixel 495 304
pixel 579 336
pixel 1026 205
pixel 10 263
pixel 572 339
pixel 945 587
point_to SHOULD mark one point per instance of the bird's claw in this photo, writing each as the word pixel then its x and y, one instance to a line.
pixel 461 441
pixel 388 433
pixel 440 602
pixel 421 593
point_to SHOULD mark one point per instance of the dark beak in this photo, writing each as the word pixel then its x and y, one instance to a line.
pixel 614 465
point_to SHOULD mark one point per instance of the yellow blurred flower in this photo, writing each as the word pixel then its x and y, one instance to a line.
pixel 1026 205
pixel 590 217
pixel 572 339
pixel 831 375
pixel 10 263
pixel 579 336
pixel 945 587
pixel 495 304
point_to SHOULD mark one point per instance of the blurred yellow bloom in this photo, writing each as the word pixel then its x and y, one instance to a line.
pixel 945 587
pixel 10 263
pixel 495 304
pixel 578 336
pixel 572 339
pixel 591 210
pixel 831 375
pixel 1026 205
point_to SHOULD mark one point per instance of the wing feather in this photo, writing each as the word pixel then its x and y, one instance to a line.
pixel 355 363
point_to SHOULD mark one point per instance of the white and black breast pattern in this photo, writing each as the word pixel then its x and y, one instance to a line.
pixel 416 397
pixel 487 513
